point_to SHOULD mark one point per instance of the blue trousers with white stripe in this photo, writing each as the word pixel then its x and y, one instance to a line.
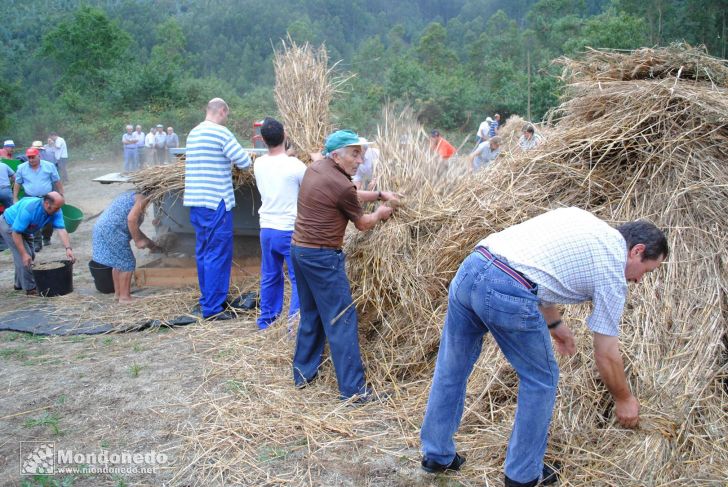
pixel 214 254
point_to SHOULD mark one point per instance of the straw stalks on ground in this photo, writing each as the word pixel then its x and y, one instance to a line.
pixel 627 147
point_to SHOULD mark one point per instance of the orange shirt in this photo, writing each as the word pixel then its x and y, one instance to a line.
pixel 445 149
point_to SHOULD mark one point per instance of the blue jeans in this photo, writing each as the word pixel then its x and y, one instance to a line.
pixel 214 255
pixel 275 247
pixel 482 299
pixel 131 159
pixel 327 312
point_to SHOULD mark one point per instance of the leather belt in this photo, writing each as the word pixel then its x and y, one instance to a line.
pixel 314 246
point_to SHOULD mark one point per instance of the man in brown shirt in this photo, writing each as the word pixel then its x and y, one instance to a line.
pixel 327 201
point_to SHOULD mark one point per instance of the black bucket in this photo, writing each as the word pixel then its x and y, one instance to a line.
pixel 103 279
pixel 54 282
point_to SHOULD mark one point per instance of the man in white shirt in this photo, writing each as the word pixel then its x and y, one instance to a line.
pixel 160 141
pixel 510 286
pixel 364 177
pixel 61 152
pixel 149 146
pixel 139 134
pixel 278 178
pixel 482 133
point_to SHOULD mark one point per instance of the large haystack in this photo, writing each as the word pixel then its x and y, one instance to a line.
pixel 622 148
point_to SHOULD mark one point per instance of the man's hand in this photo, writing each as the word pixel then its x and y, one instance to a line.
pixel 628 411
pixel 384 211
pixel 563 340
pixel 391 196
pixel 27 260
pixel 69 254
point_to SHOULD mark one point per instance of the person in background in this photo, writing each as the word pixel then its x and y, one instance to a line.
pixel 118 225
pixel 7 179
pixel 130 142
pixel 485 153
pixel 510 286
pixel 278 178
pixel 7 151
pixel 46 152
pixel 160 139
pixel 149 146
pixel 529 138
pixel 61 152
pixel 443 148
pixel 171 142
pixel 17 225
pixel 494 125
pixel 483 131
pixel 327 202
pixel 38 178
pixel 364 177
pixel 139 134
pixel 211 151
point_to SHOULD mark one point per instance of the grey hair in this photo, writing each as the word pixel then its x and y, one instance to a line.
pixel 130 127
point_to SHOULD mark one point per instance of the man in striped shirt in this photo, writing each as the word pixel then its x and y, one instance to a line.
pixel 510 286
pixel 211 151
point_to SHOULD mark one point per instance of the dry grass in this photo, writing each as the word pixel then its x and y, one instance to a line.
pixel 305 87
pixel 624 149
pixel 159 181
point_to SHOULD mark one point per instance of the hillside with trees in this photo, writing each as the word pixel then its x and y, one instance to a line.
pixel 87 68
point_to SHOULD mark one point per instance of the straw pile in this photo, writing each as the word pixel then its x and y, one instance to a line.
pixel 622 148
pixel 158 181
pixel 305 86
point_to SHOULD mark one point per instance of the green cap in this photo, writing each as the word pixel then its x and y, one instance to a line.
pixel 342 138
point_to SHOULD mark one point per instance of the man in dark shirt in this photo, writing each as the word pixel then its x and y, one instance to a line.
pixel 327 201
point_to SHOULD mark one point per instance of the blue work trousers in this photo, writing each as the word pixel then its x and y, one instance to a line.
pixel 275 248
pixel 214 254
pixel 483 298
pixel 327 312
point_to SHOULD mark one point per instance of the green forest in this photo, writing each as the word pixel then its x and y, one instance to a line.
pixel 86 68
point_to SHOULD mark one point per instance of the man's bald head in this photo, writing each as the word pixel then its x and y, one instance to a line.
pixel 217 111
pixel 53 201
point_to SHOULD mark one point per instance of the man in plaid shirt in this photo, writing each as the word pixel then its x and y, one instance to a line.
pixel 510 286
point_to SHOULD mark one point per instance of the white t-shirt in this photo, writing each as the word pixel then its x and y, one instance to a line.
pixel 60 148
pixel 483 130
pixel 278 179
pixel 365 171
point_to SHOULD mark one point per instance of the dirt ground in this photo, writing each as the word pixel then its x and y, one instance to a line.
pixel 133 393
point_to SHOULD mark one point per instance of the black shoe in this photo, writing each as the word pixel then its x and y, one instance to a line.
pixel 37 248
pixel 432 466
pixel 245 301
pixel 302 385
pixel 46 241
pixel 222 316
pixel 549 475
pixel 17 288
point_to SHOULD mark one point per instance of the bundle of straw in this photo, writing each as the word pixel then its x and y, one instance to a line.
pixel 647 148
pixel 305 86
pixel 157 181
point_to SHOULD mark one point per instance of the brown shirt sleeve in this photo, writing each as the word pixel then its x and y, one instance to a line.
pixel 348 203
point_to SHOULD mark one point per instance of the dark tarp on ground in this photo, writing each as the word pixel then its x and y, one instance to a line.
pixel 43 321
